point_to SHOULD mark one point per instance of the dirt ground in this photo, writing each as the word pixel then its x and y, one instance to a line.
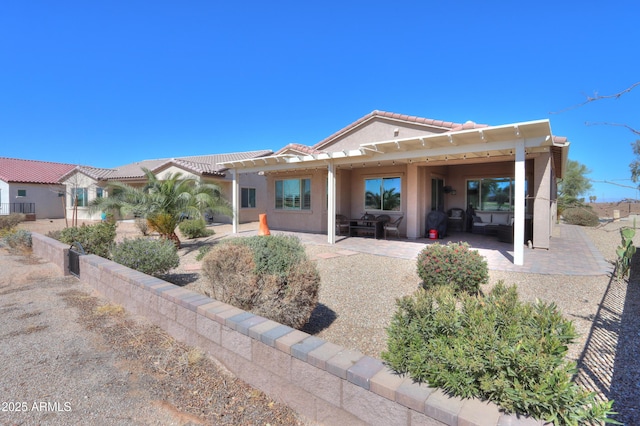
pixel 69 357
pixel 605 210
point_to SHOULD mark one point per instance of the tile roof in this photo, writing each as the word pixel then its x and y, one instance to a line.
pixel 32 171
pixel 198 164
pixel 302 149
pixel 444 125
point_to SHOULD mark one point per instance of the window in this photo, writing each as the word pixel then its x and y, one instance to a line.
pixel 382 194
pixel 79 194
pixel 22 192
pixel 293 194
pixel 248 198
pixel 99 192
pixel 492 194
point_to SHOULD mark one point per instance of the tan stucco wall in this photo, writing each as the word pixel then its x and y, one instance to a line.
pixel 47 203
pixel 246 180
pixel 314 220
pixel 80 180
pixel 377 130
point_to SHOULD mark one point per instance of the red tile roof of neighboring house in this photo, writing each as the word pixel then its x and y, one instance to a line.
pixel 32 171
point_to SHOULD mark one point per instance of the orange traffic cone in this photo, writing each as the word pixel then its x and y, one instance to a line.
pixel 264 228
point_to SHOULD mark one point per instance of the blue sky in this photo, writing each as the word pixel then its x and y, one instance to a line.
pixel 109 83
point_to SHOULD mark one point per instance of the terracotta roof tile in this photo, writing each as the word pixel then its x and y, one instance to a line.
pixel 445 125
pixel 32 171
pixel 302 149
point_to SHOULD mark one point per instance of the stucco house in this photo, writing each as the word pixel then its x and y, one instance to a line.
pixel 83 183
pixel 425 165
pixel 32 187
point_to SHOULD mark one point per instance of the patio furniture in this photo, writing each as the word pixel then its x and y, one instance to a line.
pixel 367 225
pixel 384 218
pixel 393 227
pixel 487 222
pixel 456 219
pixel 437 220
pixel 342 224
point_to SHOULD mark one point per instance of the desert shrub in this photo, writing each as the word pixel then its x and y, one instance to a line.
pixel 583 216
pixel 146 255
pixel 274 255
pixel 142 225
pixel 95 239
pixel 454 265
pixel 271 277
pixel 10 221
pixel 492 347
pixel 19 239
pixel 55 234
pixel 202 252
pixel 194 228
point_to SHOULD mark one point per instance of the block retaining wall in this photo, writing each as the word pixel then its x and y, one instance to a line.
pixel 324 382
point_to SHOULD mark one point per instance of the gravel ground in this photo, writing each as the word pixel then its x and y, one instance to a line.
pixel 67 357
pixel 358 293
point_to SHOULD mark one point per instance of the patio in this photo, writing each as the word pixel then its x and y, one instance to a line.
pixel 571 252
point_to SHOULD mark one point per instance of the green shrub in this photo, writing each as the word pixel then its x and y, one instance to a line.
pixel 268 275
pixel 274 255
pixel 492 347
pixel 19 239
pixel 583 216
pixel 194 228
pixel 95 239
pixel 146 255
pixel 10 221
pixel 202 252
pixel 454 265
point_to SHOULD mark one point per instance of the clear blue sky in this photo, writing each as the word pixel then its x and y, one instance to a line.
pixel 108 83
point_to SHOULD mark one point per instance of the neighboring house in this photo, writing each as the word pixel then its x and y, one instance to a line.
pixel 32 187
pixel 84 184
pixel 399 165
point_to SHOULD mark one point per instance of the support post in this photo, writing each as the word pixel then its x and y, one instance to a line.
pixel 235 202
pixel 331 208
pixel 518 223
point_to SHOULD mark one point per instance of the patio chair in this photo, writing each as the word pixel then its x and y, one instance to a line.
pixel 384 218
pixel 342 224
pixel 393 227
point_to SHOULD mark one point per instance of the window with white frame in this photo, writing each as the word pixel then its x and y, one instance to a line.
pixel 382 193
pixel 99 192
pixel 493 194
pixel 79 194
pixel 248 198
pixel 293 194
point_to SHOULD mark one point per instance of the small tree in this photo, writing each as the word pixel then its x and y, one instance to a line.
pixel 164 202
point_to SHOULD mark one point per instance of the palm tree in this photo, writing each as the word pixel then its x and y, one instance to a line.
pixel 164 202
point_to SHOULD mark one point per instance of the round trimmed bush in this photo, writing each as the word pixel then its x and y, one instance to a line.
pixel 194 228
pixel 452 265
pixel 270 276
pixel 150 256
pixel 95 239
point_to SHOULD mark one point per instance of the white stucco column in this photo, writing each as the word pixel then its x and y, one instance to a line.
pixel 235 200
pixel 518 223
pixel 413 196
pixel 331 208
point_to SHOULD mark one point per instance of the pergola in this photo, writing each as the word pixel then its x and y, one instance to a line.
pixel 472 143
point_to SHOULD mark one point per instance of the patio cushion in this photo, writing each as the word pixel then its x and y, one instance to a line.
pixel 484 217
pixel 500 218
